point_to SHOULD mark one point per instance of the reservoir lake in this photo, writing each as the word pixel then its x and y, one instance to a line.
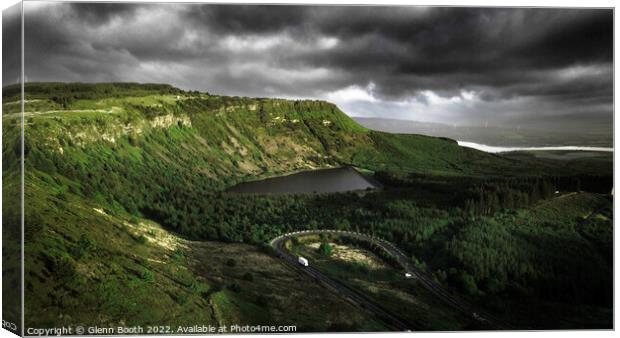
pixel 311 181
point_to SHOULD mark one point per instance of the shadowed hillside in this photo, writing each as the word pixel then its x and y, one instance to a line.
pixel 131 172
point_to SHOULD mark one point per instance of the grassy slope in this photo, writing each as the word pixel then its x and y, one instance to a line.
pixel 91 265
pixel 91 268
pixel 239 137
pixel 113 151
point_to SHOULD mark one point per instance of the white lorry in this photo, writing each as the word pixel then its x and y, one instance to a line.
pixel 302 261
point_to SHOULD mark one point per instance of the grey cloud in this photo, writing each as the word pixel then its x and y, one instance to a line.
pixel 503 55
pixel 11 44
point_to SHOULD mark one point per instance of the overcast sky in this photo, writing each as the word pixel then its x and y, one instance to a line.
pixel 507 67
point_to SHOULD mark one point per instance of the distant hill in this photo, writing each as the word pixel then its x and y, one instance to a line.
pixel 495 136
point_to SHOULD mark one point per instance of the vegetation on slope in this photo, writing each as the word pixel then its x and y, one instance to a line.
pixel 87 267
pixel 353 264
pixel 155 152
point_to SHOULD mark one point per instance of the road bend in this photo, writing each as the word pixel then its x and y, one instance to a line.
pixel 427 282
pixel 353 296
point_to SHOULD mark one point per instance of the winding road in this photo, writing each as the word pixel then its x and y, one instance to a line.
pixel 357 298
pixel 429 283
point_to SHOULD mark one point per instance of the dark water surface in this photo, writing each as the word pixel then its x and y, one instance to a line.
pixel 312 181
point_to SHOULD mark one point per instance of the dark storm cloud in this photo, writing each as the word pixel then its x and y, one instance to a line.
pixel 101 13
pixel 11 44
pixel 461 65
pixel 246 18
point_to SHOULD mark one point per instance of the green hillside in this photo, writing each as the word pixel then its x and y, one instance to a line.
pixel 158 152
pixel 125 189
pixel 225 138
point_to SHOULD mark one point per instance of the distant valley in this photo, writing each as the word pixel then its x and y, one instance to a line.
pixel 495 136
